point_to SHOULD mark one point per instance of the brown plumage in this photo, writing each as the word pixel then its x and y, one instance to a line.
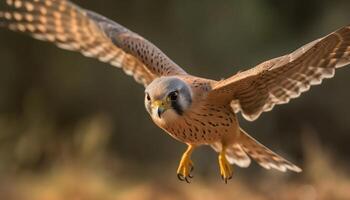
pixel 193 110
pixel 73 28
pixel 278 80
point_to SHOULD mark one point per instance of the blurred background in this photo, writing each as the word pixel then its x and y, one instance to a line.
pixel 74 128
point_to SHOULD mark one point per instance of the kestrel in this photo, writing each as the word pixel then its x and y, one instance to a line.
pixel 193 110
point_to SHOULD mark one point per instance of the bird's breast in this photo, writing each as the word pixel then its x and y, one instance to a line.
pixel 203 125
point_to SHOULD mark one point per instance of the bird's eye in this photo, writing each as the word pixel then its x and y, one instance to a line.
pixel 148 97
pixel 173 95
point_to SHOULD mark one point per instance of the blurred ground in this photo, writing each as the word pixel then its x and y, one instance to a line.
pixel 74 128
pixel 84 170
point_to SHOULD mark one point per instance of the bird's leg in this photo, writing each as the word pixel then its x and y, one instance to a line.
pixel 186 165
pixel 225 167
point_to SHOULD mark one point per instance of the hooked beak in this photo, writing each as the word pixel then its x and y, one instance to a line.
pixel 160 111
pixel 160 107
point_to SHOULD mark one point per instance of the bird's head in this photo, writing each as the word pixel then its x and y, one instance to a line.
pixel 167 97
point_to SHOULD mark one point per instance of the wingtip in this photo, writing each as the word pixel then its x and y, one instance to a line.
pixel 294 168
pixel 297 169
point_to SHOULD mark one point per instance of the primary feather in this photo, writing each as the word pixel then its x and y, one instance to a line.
pixel 74 28
pixel 281 79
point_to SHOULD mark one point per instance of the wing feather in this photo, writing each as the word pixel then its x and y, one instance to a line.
pixel 76 29
pixel 281 79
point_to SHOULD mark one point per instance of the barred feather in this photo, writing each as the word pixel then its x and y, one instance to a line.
pixel 73 28
pixel 279 80
pixel 264 156
pixel 234 154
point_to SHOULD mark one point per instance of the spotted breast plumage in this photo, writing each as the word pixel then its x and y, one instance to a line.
pixel 193 110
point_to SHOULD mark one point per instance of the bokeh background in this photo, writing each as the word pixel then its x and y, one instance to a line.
pixel 74 128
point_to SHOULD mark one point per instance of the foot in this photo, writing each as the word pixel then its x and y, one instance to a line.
pixel 186 166
pixel 225 167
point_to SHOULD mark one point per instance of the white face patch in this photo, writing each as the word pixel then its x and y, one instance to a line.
pixel 163 89
pixel 167 117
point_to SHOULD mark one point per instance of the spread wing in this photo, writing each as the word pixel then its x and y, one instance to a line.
pixel 73 28
pixel 281 79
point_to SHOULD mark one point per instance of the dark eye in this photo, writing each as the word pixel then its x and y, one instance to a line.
pixel 173 95
pixel 148 97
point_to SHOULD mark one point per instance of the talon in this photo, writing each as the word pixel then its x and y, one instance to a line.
pixel 192 168
pixel 186 166
pixel 186 179
pixel 180 177
pixel 225 167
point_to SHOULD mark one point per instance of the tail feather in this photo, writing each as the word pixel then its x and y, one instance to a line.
pixel 264 156
pixel 234 154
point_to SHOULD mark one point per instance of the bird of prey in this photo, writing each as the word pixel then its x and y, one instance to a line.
pixel 194 110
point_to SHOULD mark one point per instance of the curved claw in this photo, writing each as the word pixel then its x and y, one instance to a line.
pixel 187 180
pixel 185 169
pixel 225 168
pixel 226 179
pixel 184 178
pixel 180 177
pixel 190 175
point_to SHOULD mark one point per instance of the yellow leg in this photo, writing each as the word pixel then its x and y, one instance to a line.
pixel 225 167
pixel 186 165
